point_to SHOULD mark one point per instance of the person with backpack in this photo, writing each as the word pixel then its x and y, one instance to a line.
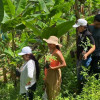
pixel 85 47
pixel 95 30
pixel 29 73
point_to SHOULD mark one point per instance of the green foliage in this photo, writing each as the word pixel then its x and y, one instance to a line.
pixel 43 6
pixel 1 11
pixel 9 8
pixel 86 44
pixel 27 22
pixel 21 6
pixel 58 30
pixel 90 19
pixel 36 31
pixel 49 57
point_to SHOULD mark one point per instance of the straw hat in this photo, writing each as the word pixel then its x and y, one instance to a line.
pixel 53 40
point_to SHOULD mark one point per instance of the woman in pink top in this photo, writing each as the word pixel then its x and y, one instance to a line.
pixel 53 73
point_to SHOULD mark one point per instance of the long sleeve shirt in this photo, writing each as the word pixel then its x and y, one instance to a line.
pixel 28 74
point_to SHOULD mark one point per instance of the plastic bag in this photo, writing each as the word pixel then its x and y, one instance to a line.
pixel 44 97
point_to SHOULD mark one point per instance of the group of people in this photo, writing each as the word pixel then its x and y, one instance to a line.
pixel 88 53
pixel 30 71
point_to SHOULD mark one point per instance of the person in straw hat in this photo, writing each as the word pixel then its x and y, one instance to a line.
pixel 53 77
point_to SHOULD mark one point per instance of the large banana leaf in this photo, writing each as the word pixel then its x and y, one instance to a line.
pixel 49 31
pixel 21 6
pixel 10 24
pixel 64 28
pixel 5 18
pixel 1 11
pixel 9 8
pixel 49 2
pixel 36 31
pixel 58 30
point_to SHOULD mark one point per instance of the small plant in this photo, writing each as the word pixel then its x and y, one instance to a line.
pixel 49 58
pixel 86 44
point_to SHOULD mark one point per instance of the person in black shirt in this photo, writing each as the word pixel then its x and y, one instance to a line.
pixel 95 30
pixel 85 47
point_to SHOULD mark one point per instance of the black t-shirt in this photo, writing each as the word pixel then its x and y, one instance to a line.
pixel 82 38
pixel 96 35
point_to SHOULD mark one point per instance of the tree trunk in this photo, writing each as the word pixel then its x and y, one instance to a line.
pixel 12 73
pixel 68 39
pixel 4 75
pixel 82 9
pixel 77 14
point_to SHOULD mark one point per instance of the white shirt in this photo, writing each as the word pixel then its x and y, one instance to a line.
pixel 28 74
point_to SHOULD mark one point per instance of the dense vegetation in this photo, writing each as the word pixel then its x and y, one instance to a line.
pixel 27 22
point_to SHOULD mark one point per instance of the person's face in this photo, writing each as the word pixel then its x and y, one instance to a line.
pixel 97 24
pixel 26 57
pixel 80 28
pixel 51 46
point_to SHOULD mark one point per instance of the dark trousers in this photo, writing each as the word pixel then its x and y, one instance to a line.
pixel 95 65
pixel 30 93
pixel 79 76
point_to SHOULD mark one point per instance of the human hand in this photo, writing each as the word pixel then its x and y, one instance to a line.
pixel 28 83
pixel 51 67
pixel 85 56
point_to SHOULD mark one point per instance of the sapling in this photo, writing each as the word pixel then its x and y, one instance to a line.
pixel 49 58
pixel 85 45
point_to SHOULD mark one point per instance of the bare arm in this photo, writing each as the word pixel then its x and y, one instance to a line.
pixel 89 52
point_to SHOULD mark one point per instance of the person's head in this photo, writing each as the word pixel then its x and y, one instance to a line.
pixel 53 43
pixel 81 25
pixel 25 53
pixel 97 21
pixel 51 46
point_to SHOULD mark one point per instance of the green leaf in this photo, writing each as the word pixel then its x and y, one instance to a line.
pixel 47 32
pixel 90 19
pixel 20 26
pixel 10 24
pixel 1 11
pixel 49 2
pixel 5 18
pixel 64 28
pixel 58 30
pixel 36 31
pixel 9 52
pixel 43 6
pixel 9 8
pixel 21 6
